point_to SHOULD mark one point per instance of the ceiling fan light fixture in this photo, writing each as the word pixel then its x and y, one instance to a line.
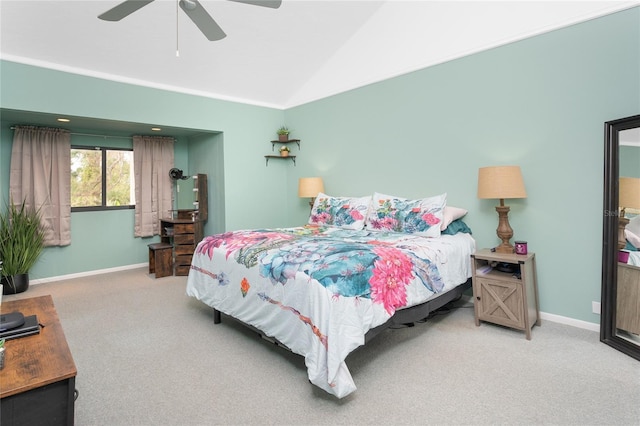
pixel 194 10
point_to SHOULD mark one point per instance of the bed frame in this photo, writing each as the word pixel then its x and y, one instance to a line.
pixel 400 317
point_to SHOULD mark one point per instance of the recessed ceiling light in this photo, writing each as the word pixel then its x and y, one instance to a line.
pixel 63 120
pixel 156 129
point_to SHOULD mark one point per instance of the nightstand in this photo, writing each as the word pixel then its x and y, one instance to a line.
pixel 505 289
pixel 628 298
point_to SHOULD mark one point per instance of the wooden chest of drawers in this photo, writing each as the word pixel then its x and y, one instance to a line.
pixel 184 235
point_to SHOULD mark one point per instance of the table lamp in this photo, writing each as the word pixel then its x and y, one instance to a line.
pixel 310 187
pixel 628 197
pixel 502 182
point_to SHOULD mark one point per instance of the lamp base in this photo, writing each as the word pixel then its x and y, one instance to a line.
pixel 622 224
pixel 502 248
pixel 504 230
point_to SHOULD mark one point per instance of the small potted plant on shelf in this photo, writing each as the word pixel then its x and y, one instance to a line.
pixel 284 151
pixel 283 133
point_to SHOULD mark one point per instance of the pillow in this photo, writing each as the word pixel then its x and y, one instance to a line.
pixel 420 217
pixel 632 239
pixel 341 212
pixel 632 231
pixel 456 226
pixel 451 214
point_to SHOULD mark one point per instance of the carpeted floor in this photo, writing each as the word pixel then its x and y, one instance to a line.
pixel 147 354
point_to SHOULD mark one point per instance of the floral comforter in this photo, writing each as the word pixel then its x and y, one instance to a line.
pixel 319 290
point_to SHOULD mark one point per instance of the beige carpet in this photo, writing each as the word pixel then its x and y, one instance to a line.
pixel 149 355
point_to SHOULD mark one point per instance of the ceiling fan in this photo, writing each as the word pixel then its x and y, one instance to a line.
pixel 192 8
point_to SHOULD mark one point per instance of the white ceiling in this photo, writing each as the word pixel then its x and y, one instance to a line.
pixel 303 51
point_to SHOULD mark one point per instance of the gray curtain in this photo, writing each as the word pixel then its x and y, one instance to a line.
pixel 153 158
pixel 41 176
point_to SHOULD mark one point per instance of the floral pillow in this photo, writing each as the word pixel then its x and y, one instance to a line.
pixel 422 217
pixel 342 212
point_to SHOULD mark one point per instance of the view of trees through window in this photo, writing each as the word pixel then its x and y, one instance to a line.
pixel 101 178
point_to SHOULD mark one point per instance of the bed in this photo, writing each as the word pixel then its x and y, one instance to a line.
pixel 323 290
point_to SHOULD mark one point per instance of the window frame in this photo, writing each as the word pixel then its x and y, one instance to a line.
pixel 103 206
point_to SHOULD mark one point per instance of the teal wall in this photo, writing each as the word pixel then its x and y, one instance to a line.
pixel 238 178
pixel 630 161
pixel 539 103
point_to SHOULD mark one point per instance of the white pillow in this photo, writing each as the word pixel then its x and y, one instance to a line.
pixel 632 231
pixel 634 225
pixel 451 214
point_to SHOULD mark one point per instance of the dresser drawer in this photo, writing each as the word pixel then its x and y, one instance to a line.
pixel 183 228
pixel 182 270
pixel 184 239
pixel 181 249
pixel 183 259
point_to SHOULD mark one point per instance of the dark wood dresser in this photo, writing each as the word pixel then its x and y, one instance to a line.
pixel 185 229
pixel 184 235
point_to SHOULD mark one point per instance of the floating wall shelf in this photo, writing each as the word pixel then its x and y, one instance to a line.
pixel 296 141
pixel 280 157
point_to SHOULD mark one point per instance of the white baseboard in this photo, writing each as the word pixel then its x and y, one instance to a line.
pixel 570 321
pixel 87 273
pixel 468 299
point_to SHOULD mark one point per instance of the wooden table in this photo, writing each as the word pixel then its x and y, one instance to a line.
pixel 37 383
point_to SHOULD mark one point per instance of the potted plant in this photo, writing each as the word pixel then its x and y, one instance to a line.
pixel 284 151
pixel 21 243
pixel 283 133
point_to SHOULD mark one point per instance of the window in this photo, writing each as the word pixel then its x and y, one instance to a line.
pixel 101 178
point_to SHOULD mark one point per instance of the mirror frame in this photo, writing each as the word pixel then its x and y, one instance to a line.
pixel 608 333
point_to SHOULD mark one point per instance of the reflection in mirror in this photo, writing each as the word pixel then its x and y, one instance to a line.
pixel 620 324
pixel 185 194
pixel 628 283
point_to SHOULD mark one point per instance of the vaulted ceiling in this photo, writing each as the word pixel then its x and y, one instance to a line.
pixel 302 51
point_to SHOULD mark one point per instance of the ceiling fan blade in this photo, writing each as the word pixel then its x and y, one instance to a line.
pixel 274 4
pixel 123 10
pixel 202 19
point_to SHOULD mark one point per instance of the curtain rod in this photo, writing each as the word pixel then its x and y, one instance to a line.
pixel 104 136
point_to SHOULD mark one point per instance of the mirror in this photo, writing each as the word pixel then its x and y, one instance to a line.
pixel 620 303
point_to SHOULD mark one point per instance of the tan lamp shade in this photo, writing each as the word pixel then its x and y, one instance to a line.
pixel 309 187
pixel 500 182
pixel 629 191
